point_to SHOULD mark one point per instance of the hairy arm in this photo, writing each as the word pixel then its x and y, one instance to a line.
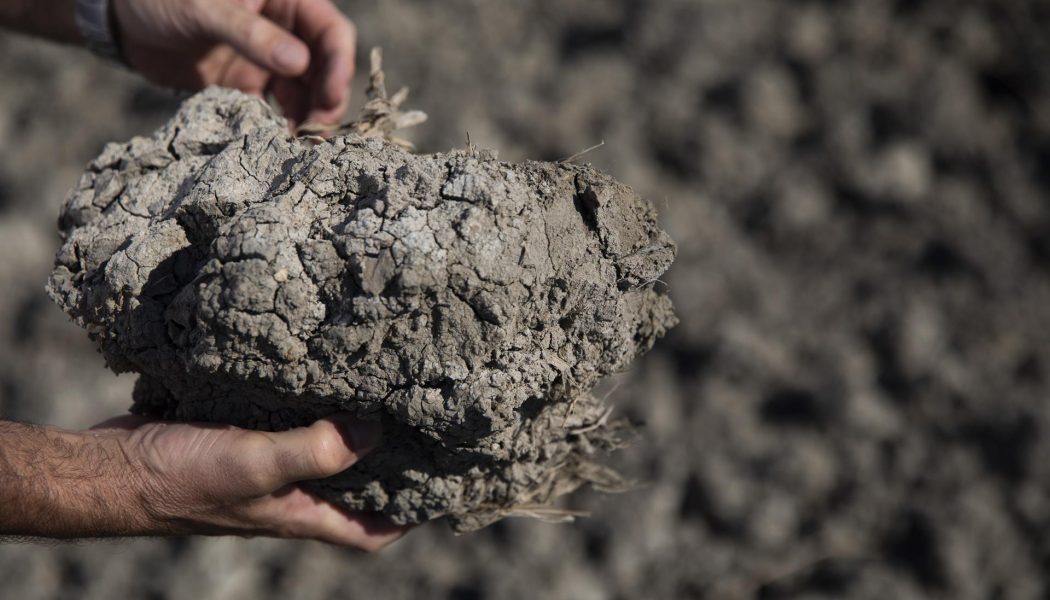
pixel 52 19
pixel 133 476
pixel 61 484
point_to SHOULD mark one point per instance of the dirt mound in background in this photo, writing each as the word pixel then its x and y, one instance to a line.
pixel 854 405
pixel 263 280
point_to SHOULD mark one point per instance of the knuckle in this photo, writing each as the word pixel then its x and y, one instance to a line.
pixel 254 460
pixel 259 477
pixel 251 445
pixel 232 24
pixel 198 12
pixel 253 31
pixel 328 453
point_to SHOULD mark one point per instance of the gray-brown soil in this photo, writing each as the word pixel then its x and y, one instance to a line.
pixel 855 402
pixel 471 305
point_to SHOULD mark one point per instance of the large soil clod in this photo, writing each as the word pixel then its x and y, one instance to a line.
pixel 259 279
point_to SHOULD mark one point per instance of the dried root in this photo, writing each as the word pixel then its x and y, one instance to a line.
pixel 381 115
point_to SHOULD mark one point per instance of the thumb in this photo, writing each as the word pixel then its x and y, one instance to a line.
pixel 327 447
pixel 260 40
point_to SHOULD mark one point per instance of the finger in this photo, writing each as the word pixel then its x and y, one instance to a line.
pixel 295 513
pixel 246 76
pixel 123 422
pixel 332 38
pixel 294 98
pixel 327 447
pixel 369 531
pixel 331 85
pixel 257 38
pixel 330 92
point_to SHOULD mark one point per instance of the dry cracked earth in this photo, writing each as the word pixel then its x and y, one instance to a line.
pixel 471 305
pixel 854 404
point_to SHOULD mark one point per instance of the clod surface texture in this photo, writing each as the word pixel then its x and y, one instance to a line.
pixel 471 305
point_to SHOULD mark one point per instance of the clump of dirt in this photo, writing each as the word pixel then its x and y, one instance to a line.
pixel 263 280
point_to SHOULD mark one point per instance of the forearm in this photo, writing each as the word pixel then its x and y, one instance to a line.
pixel 53 19
pixel 59 484
pixel 133 476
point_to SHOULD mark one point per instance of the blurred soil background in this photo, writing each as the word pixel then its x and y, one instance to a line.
pixel 856 402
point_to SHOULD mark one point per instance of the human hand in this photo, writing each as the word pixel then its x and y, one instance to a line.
pixel 219 480
pixel 301 51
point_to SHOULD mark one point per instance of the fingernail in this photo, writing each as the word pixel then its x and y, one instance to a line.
pixel 290 56
pixel 361 436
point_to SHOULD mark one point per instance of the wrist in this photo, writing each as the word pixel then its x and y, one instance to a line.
pixel 146 499
pixel 102 492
